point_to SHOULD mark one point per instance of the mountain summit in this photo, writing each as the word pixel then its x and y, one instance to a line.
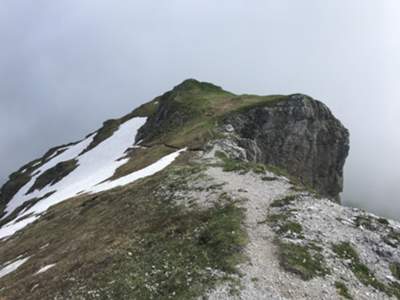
pixel 199 193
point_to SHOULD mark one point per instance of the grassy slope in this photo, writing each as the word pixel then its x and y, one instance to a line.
pixel 201 106
pixel 128 243
pixel 196 109
pixel 109 243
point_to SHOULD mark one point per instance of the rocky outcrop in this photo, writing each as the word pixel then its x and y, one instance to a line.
pixel 298 134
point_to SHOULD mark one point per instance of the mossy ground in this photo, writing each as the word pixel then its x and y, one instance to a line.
pixel 127 243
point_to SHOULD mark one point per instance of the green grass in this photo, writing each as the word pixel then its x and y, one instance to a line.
pixel 243 167
pixel 305 259
pixel 301 260
pixel 342 290
pixel 132 242
pixel 395 269
pixel 285 201
pixel 291 228
pixel 237 165
pixel 277 218
pixel 346 251
pixel 192 111
pixel 176 260
pixel 283 226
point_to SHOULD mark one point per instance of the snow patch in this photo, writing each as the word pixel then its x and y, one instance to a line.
pixel 44 269
pixel 36 163
pixel 94 168
pixel 147 171
pixel 11 267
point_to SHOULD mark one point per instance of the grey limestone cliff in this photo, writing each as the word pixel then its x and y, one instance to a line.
pixel 300 135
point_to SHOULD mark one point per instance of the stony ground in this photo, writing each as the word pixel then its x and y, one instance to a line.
pixel 322 223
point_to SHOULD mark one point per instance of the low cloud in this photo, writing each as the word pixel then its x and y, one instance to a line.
pixel 66 66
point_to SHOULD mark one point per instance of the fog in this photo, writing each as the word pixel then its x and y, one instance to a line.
pixel 67 65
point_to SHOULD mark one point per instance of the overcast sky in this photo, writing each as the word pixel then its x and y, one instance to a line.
pixel 67 65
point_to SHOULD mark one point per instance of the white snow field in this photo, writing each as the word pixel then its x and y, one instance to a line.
pixel 11 267
pixel 94 168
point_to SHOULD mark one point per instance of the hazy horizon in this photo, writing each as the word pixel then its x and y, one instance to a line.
pixel 67 66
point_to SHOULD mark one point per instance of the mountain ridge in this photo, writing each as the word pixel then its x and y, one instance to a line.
pixel 197 193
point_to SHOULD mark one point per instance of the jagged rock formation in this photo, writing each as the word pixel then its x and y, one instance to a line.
pixel 197 193
pixel 300 135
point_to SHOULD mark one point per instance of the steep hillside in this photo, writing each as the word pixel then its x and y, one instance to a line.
pixel 197 193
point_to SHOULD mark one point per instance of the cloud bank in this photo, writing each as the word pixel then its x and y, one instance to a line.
pixel 67 65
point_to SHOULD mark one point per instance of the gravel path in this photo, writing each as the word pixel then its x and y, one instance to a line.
pixel 262 277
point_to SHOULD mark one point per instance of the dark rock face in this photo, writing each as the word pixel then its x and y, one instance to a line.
pixel 299 134
pixel 169 115
pixel 11 187
pixel 54 174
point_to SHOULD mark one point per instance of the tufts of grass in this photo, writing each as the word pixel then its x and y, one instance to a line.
pixel 283 226
pixel 394 288
pixel 342 290
pixel 304 260
pixel 180 258
pixel 290 228
pixel 346 251
pixel 301 260
pixel 283 201
pixel 277 218
pixel 395 269
pixel 237 165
